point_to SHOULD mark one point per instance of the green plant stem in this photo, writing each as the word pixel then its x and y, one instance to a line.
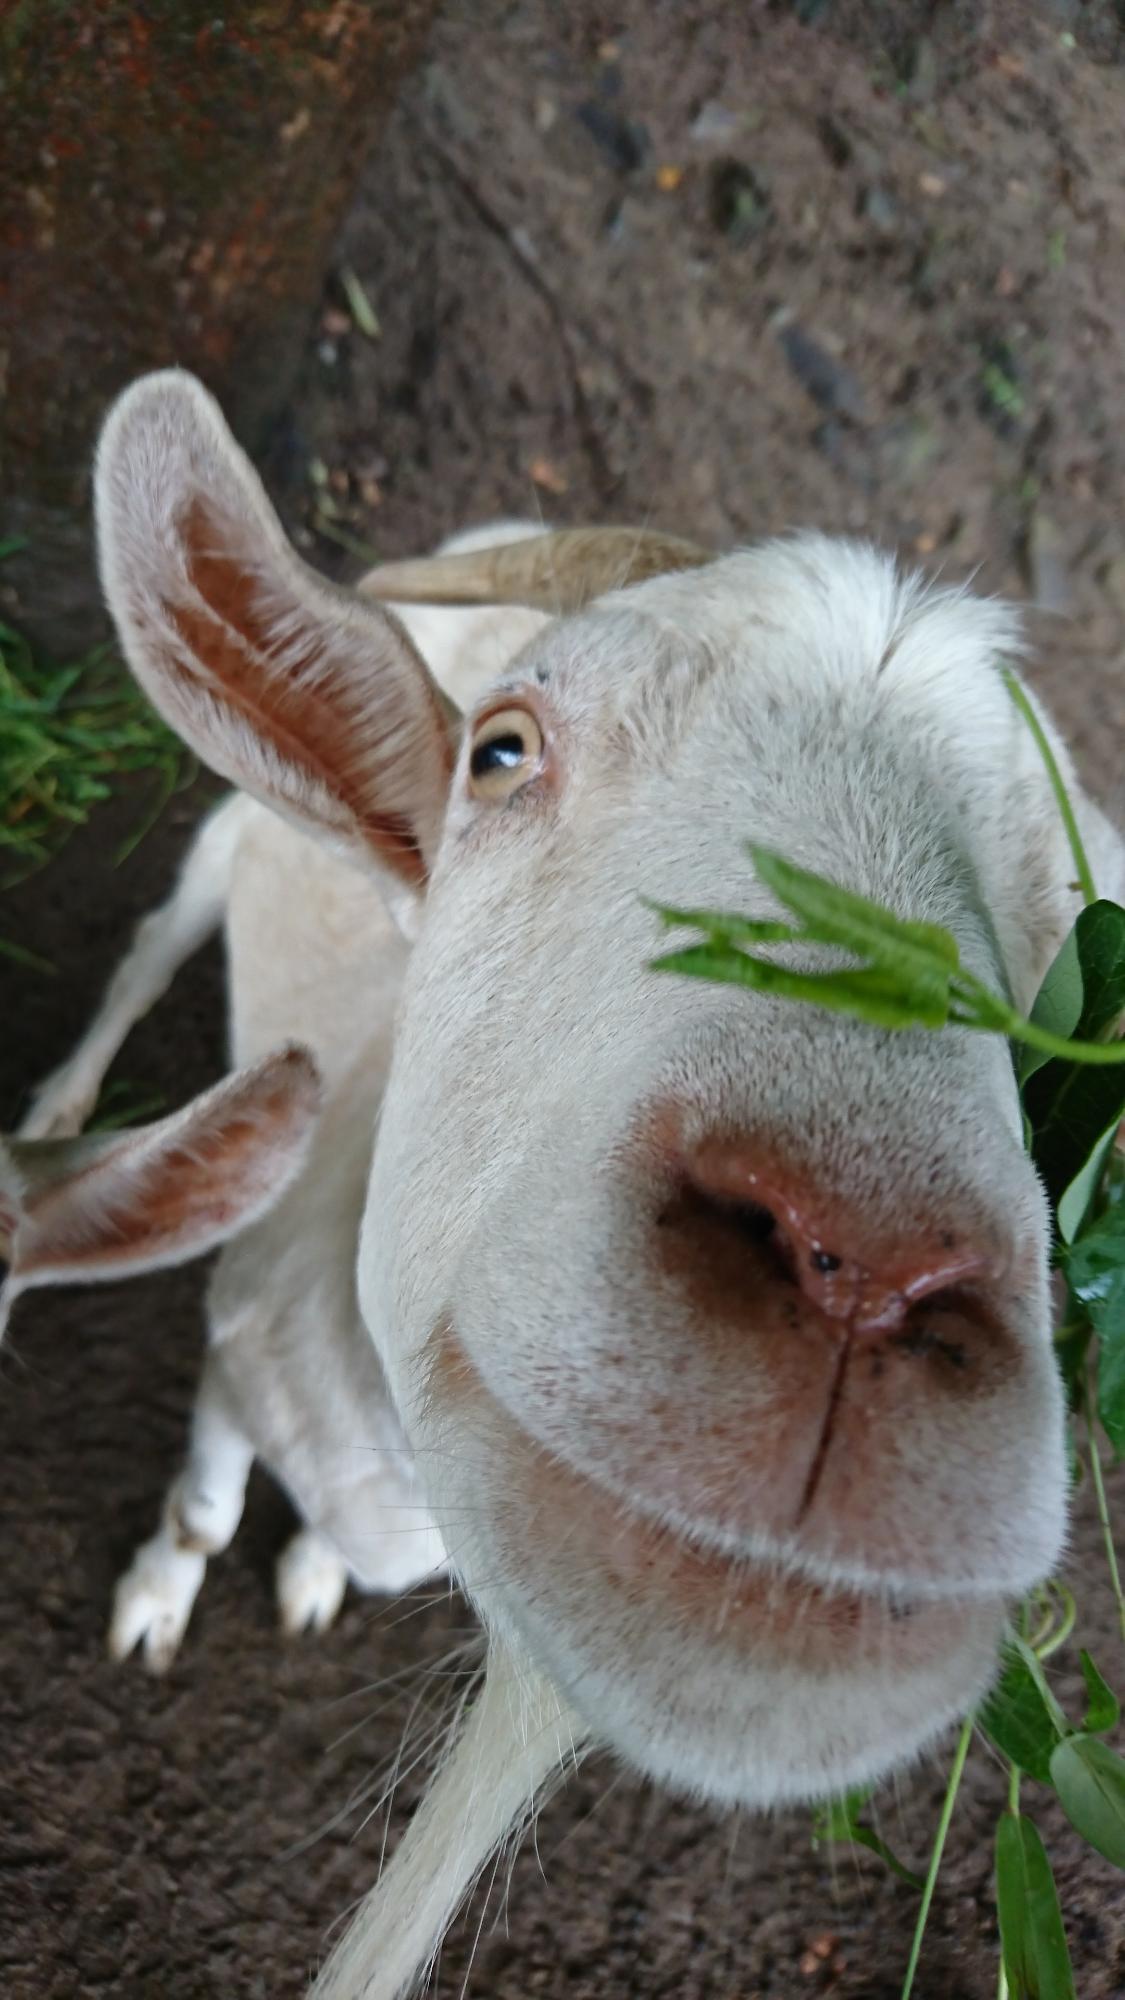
pixel 974 1005
pixel 1066 810
pixel 1102 1503
pixel 949 1802
pixel 1051 1636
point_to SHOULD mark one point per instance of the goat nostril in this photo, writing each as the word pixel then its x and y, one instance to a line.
pixel 759 1230
pixel 747 1219
pixel 752 1221
pixel 924 1339
pixel 951 1299
pixel 721 1232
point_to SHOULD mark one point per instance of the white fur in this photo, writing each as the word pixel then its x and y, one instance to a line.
pixel 616 1449
pixel 517 1741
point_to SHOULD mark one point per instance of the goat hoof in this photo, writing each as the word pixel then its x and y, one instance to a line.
pixel 311 1581
pixel 153 1602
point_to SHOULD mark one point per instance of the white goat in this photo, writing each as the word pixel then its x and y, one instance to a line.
pixel 720 1327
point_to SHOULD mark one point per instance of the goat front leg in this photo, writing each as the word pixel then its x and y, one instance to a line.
pixel 154 1598
pixel 162 942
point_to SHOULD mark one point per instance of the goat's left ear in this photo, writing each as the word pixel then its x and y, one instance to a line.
pixel 305 695
pixel 106 1205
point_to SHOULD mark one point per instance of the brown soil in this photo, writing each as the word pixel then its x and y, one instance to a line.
pixel 727 269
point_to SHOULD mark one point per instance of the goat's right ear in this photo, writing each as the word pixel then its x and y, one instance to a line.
pixel 305 695
pixel 109 1204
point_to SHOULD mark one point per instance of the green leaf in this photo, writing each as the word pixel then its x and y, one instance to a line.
pixel 1036 1959
pixel 720 928
pixel 1058 1004
pixel 1070 1352
pixel 1075 1203
pixel 839 1821
pixel 1021 1715
pixel 1097 1261
pixel 20 955
pixel 1089 1778
pixel 833 915
pixel 870 994
pixel 1099 939
pixel 1072 1106
pixel 1095 1271
pixel 838 1818
pixel 1103 1710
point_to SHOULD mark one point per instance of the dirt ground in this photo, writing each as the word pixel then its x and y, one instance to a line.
pixel 726 269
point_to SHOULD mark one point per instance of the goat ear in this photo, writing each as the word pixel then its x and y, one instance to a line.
pixel 109 1204
pixel 303 694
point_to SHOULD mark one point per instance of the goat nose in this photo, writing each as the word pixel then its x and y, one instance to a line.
pixel 862 1278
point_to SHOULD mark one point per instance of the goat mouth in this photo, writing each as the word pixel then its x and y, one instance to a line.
pixel 558 1521
pixel 762 1608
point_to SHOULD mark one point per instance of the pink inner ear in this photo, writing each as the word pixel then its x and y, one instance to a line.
pixel 284 691
pixel 181 1196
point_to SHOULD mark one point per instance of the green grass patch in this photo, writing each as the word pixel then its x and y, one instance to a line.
pixel 71 735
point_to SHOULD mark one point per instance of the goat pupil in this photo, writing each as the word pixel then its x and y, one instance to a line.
pixel 503 753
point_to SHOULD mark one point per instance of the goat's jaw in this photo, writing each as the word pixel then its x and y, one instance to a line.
pixel 743 1681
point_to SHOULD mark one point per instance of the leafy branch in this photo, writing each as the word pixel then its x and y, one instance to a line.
pixel 910 974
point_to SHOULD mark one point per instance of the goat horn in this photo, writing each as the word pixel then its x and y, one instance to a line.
pixel 556 572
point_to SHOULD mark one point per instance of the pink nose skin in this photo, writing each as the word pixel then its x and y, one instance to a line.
pixel 864 1287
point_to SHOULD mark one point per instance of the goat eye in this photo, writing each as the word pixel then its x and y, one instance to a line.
pixel 507 751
